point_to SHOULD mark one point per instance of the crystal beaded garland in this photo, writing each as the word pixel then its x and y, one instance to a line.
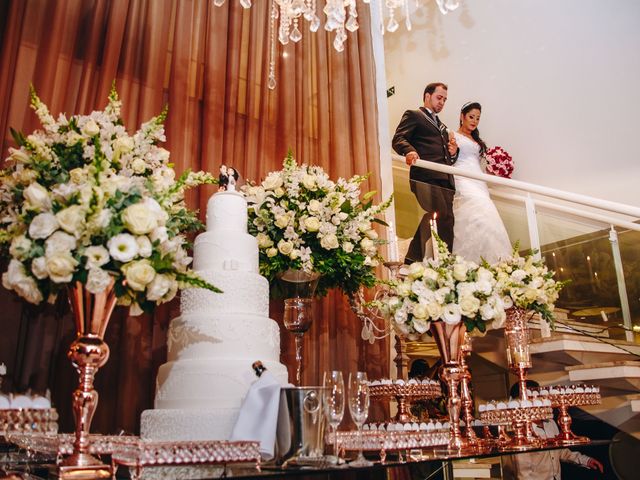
pixel 341 15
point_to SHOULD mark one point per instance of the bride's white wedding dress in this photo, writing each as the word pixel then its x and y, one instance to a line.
pixel 478 229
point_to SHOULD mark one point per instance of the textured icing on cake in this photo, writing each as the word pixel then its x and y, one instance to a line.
pixel 217 337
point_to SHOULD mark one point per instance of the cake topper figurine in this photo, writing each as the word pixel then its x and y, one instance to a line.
pixel 227 179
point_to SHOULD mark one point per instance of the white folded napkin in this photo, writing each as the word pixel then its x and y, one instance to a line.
pixel 259 416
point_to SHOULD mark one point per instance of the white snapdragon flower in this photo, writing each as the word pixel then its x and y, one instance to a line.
pixel 43 225
pixel 37 197
pixel 123 247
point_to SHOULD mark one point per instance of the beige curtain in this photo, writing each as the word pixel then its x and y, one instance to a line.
pixel 209 65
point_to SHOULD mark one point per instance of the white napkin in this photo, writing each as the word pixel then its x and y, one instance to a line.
pixel 259 416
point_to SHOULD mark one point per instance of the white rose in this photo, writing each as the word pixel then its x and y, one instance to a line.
pixel 430 274
pixel 372 234
pixel 61 266
pixel 469 306
pixel 98 280
pixel 20 246
pixel 37 197
pixel 404 289
pixel 484 287
pixel 159 234
pixel 123 247
pixel 309 181
pixel 435 310
pixel 123 144
pixel 312 224
pixel 73 138
pixel 282 220
pixel 451 314
pixel 139 274
pixel 273 181
pixel 367 244
pixel 71 219
pixel 159 287
pixel 484 275
pixel 138 166
pixel 460 271
pixel 420 311
pixel 39 268
pixel 294 254
pixel 27 175
pixel 518 275
pixel 347 247
pixel 59 242
pixel 279 192
pixel 314 206
pixel 43 225
pixel 400 316
pixel 272 252
pixel 145 249
pixel 416 270
pixel 330 241
pixel 285 247
pixel 264 241
pixel 78 176
pixel 488 312
pixel 91 128
pixel 139 219
pixel 15 278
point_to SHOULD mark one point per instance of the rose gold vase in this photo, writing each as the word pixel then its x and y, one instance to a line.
pixel 87 353
pixel 449 339
pixel 466 393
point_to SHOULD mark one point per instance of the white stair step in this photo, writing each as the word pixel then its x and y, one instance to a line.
pixel 611 376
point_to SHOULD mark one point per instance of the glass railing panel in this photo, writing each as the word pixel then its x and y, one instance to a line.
pixel 629 242
pixel 514 217
pixel 580 251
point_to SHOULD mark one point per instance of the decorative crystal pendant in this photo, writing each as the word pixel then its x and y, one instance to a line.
pixel 283 36
pixel 315 23
pixel 245 3
pixel 364 334
pixel 352 24
pixel 338 44
pixel 392 25
pixel 452 4
pixel 218 3
pixel 296 36
pixel 272 82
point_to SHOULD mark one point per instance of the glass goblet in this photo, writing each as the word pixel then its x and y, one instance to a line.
pixel 298 315
pixel 359 409
pixel 334 406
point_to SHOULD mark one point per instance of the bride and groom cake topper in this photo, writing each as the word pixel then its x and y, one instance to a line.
pixel 227 179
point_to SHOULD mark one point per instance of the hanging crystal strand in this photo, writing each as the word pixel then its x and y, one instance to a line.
pixel 245 3
pixel 218 3
pixel 315 19
pixel 442 7
pixel 296 34
pixel 381 13
pixel 271 83
pixel 285 24
pixel 407 17
pixel 392 24
pixel 352 23
pixel 451 5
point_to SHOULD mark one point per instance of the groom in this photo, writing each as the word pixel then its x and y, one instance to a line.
pixel 421 134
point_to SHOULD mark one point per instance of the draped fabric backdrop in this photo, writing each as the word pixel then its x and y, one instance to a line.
pixel 209 65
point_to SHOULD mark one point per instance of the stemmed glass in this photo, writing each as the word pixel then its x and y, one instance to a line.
pixel 298 315
pixel 359 410
pixel 334 406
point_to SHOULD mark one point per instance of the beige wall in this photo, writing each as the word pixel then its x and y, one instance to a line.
pixel 559 82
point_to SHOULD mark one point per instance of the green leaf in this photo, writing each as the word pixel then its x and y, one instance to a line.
pixel 18 137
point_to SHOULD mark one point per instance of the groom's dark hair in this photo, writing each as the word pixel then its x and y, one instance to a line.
pixel 432 88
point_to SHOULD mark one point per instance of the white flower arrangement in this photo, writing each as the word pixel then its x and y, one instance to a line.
pixel 82 200
pixel 528 284
pixel 446 288
pixel 303 220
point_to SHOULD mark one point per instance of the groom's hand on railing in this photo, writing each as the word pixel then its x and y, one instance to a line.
pixel 411 158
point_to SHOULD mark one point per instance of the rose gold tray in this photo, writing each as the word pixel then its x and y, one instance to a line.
pixel 407 390
pixel 520 414
pixel 43 420
pixel 392 441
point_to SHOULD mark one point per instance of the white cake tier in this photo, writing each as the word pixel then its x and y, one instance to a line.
pixel 244 293
pixel 228 250
pixel 227 211
pixel 207 336
pixel 205 383
pixel 196 424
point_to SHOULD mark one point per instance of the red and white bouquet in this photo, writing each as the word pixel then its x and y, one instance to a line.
pixel 499 162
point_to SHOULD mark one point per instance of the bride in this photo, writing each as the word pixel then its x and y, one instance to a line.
pixel 478 229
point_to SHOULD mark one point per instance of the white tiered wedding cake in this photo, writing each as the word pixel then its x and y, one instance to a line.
pixel 217 337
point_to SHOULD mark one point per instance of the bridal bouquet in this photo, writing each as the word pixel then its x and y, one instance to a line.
pixel 82 200
pixel 446 288
pixel 527 283
pixel 499 162
pixel 303 220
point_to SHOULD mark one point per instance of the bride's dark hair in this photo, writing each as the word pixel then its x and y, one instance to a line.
pixel 466 108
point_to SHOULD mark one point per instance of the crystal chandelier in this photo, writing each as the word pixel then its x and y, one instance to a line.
pixel 340 16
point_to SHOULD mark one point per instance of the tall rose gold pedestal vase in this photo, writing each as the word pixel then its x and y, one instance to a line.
pixel 449 339
pixel 88 353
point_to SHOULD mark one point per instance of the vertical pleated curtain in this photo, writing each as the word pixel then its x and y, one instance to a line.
pixel 209 65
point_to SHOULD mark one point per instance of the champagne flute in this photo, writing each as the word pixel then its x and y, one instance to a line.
pixel 359 410
pixel 334 406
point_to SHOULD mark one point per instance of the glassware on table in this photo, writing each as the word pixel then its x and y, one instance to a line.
pixel 298 315
pixel 359 409
pixel 334 406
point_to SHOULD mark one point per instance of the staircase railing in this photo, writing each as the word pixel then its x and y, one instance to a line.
pixel 606 213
